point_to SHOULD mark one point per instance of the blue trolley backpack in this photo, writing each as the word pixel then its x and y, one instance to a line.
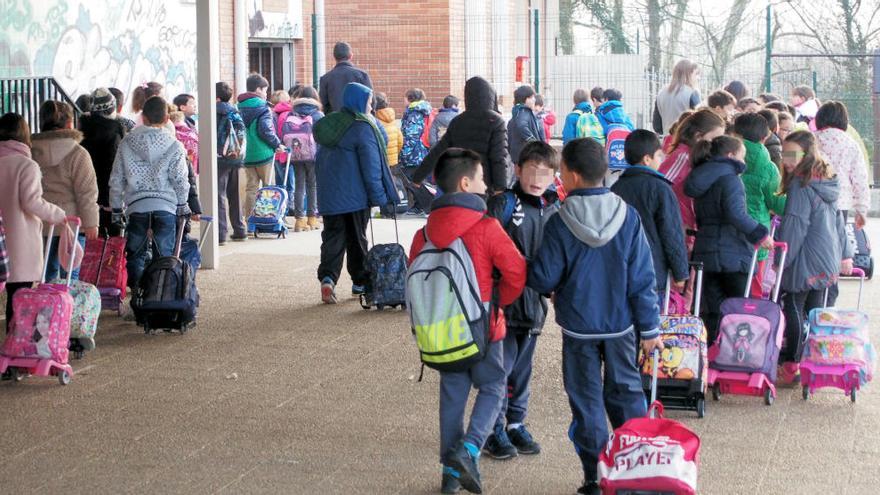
pixel 387 264
pixel 270 208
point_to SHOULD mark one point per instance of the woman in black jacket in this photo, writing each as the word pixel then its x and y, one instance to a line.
pixel 479 128
pixel 726 234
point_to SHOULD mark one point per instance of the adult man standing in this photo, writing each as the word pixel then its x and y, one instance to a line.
pixel 333 83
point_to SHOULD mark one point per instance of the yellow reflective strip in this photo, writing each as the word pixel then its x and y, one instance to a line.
pixel 465 353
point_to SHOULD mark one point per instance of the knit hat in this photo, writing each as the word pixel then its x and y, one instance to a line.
pixel 103 101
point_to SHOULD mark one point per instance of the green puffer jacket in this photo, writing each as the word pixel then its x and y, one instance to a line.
pixel 761 180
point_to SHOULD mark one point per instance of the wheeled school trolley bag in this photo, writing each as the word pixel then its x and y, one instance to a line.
pixel 84 320
pixel 104 267
pixel 650 456
pixel 682 376
pixel 166 297
pixel 270 209
pixel 387 265
pixel 744 357
pixel 39 338
pixel 838 351
pixel 862 258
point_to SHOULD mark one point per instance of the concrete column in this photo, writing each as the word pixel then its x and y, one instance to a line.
pixel 321 43
pixel 207 74
pixel 240 42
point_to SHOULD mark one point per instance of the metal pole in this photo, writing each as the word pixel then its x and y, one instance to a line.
pixel 315 51
pixel 815 83
pixel 768 66
pixel 537 51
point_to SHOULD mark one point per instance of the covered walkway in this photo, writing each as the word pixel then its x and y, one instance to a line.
pixel 275 393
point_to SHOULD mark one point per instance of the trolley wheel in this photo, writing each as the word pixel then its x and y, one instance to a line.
pixel 852 395
pixel 806 392
pixel 78 354
pixel 701 408
pixel 380 307
pixel 716 391
pixel 768 397
pixel 63 377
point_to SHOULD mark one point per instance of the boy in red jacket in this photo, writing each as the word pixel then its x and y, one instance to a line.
pixel 461 213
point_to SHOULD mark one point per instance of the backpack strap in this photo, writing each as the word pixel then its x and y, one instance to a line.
pixel 509 208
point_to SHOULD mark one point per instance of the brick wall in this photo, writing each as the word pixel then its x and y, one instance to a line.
pixel 227 42
pixel 401 44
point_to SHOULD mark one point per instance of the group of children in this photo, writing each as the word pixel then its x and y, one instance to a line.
pixel 707 193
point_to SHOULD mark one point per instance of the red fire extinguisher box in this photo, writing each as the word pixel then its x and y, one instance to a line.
pixel 522 64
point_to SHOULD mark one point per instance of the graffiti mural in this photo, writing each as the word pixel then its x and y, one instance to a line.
pixel 89 43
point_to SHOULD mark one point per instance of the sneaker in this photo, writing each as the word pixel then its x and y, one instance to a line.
pixel 591 488
pixel 222 242
pixel 450 483
pixel 239 237
pixel 415 212
pixel 328 291
pixel 498 445
pixel 127 313
pixel 523 441
pixel 466 462
pixel 358 290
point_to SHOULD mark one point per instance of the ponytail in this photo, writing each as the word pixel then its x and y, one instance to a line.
pixel 698 124
pixel 142 93
pixel 704 151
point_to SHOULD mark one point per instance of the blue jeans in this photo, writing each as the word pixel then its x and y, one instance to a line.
pixel 487 376
pixel 620 395
pixel 279 181
pixel 164 227
pixel 55 270
pixel 519 350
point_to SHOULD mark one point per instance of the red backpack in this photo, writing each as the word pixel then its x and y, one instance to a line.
pixel 426 133
pixel 615 142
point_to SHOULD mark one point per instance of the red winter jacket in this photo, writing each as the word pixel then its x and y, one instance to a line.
pixel 464 215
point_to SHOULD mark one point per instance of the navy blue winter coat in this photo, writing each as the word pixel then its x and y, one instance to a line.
pixel 650 193
pixel 522 128
pixel 596 259
pixel 726 234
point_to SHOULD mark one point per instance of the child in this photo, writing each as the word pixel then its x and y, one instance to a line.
pixel 581 107
pixel 262 139
pixel 597 96
pixel 149 180
pixel 737 89
pixel 140 95
pixel 724 104
pixel 726 234
pixel 305 114
pixel 773 143
pixel 230 142
pixel 814 232
pixel 279 102
pixel 704 124
pixel 412 125
pixel 352 177
pixel 68 175
pixel 595 250
pixel 461 213
pixel 748 105
pixel 102 133
pixel 786 125
pixel 611 113
pixel 803 99
pixel 523 125
pixel 23 208
pixel 547 117
pixel 650 193
pixel 443 118
pixel 187 104
pixel 187 137
pixel 523 212
pixel 119 96
pixel 386 116
pixel 761 181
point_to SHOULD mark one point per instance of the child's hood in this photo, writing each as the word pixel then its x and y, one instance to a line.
pixel 594 216
pixel 306 106
pixel 584 106
pixel 51 147
pixel 479 95
pixel 420 106
pixel 704 176
pixel 519 108
pixel 386 115
pixel 151 143
pixel 809 108
pixel 828 190
pixel 612 111
pixel 281 107
pixel 452 215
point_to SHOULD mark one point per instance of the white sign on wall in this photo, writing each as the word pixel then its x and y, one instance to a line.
pixel 270 26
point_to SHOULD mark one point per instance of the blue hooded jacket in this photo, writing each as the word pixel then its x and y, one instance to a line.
pixel 611 112
pixel 569 131
pixel 595 257
pixel 351 171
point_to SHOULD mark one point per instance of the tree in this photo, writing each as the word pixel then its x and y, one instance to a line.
pixel 609 18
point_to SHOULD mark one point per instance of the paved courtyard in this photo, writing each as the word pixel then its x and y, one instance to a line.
pixel 275 393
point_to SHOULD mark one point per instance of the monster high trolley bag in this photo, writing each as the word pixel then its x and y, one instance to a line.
pixel 270 208
pixel 743 359
pixel 682 375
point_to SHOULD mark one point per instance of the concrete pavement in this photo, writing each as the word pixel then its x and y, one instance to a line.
pixel 275 393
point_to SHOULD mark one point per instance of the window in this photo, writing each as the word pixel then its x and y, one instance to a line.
pixel 274 62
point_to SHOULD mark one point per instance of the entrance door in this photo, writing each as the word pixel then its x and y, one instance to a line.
pixel 274 62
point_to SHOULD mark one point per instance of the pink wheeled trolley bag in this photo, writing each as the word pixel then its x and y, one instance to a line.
pixel 838 351
pixel 39 337
pixel 650 455
pixel 744 357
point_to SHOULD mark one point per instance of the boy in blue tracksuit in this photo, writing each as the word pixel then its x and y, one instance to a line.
pixel 596 261
pixel 523 212
pixel 611 112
